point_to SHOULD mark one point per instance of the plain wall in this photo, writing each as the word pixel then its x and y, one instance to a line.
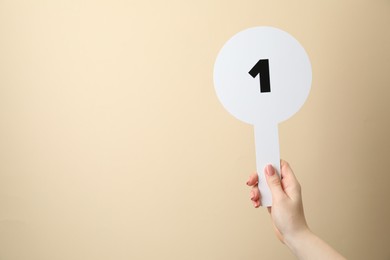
pixel 113 144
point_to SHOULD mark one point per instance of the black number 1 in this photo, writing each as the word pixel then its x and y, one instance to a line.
pixel 262 69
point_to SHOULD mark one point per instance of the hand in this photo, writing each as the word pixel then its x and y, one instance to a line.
pixel 287 214
pixel 287 208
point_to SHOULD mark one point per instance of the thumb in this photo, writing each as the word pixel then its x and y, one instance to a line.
pixel 274 182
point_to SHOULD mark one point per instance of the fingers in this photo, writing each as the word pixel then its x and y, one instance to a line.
pixel 290 184
pixel 254 193
pixel 253 180
pixel 273 182
pixel 281 187
pixel 255 196
pixel 286 171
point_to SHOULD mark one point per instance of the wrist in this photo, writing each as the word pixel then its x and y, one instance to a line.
pixel 298 239
pixel 306 245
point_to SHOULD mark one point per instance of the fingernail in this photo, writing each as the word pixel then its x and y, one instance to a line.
pixel 254 203
pixel 248 181
pixel 252 195
pixel 269 170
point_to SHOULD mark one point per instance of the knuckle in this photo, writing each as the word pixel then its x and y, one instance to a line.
pixel 275 181
pixel 284 163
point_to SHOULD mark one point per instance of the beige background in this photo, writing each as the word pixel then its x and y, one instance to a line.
pixel 113 144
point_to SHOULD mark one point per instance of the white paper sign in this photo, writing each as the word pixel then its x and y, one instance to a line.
pixel 262 76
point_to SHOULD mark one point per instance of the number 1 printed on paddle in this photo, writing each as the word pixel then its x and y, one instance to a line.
pixel 262 76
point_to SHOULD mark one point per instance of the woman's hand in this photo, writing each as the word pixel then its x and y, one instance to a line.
pixel 287 214
pixel 287 208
